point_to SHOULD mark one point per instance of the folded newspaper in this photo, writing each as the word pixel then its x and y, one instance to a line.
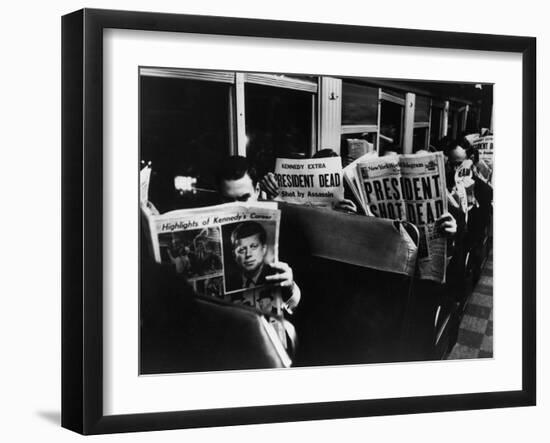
pixel 223 251
pixel 485 146
pixel 464 185
pixel 410 188
pixel 316 182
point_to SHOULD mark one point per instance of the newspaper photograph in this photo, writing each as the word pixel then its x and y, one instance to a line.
pixel 317 182
pixel 195 253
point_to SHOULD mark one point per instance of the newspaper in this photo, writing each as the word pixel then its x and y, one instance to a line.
pixel 317 182
pixel 357 148
pixel 410 188
pixel 144 179
pixel 223 251
pixel 485 146
pixel 353 181
pixel 464 185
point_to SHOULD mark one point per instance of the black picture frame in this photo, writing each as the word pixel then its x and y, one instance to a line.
pixel 82 219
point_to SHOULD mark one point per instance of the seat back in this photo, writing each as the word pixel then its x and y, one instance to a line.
pixel 356 275
pixel 182 332
pixel 367 242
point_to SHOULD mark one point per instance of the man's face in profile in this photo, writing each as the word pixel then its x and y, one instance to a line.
pixel 249 253
pixel 241 190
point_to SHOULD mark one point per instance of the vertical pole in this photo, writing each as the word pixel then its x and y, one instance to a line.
pixel 454 127
pixel 445 120
pixel 464 118
pixel 241 121
pixel 429 130
pixel 232 122
pixel 313 147
pixel 378 117
pixel 331 113
pixel 408 123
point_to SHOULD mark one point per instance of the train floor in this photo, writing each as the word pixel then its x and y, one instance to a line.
pixel 475 337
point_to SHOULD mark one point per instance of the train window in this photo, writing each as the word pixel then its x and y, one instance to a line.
pixel 462 118
pixel 391 126
pixel 472 120
pixel 452 123
pixel 184 129
pixel 359 104
pixel 279 123
pixel 436 119
pixel 422 109
pixel 420 138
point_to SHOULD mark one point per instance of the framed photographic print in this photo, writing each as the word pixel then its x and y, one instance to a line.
pixel 270 221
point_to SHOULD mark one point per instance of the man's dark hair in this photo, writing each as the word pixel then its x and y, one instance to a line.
pixel 248 229
pixel 234 168
pixel 325 153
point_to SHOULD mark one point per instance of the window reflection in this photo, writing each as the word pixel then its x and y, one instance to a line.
pixel 435 126
pixel 422 109
pixel 391 124
pixel 278 124
pixel 184 130
pixel 359 104
pixel 420 139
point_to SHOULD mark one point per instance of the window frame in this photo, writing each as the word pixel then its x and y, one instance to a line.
pixel 237 110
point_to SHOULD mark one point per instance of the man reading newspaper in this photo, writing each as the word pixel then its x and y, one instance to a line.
pixel 237 182
pixel 230 251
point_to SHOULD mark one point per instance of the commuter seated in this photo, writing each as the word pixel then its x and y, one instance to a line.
pixel 479 207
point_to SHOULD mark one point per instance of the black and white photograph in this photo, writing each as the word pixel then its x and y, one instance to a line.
pixel 298 219
pixel 195 253
pixel 361 208
pixel 248 250
pixel 211 287
pixel 400 291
